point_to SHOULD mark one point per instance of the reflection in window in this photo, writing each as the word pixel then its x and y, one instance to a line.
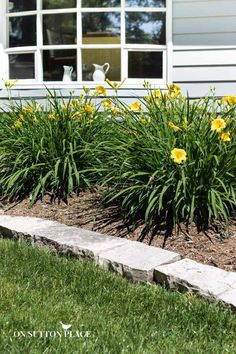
pixel 100 3
pixel 145 27
pixel 21 66
pixel 21 5
pixel 54 62
pixel 100 57
pixel 146 3
pixel 22 31
pixel 59 29
pixel 101 28
pixel 58 4
pixel 145 65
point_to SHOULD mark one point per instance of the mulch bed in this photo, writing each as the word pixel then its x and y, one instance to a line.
pixel 214 247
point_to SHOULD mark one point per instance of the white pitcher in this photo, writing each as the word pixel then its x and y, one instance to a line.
pixel 68 70
pixel 100 72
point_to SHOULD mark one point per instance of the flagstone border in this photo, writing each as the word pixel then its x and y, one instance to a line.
pixel 131 259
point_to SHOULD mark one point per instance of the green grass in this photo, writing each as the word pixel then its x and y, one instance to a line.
pixel 38 290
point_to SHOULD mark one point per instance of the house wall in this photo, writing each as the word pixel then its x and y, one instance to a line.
pixel 204 46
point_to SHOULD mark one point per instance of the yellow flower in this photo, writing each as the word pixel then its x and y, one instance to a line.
pixel 75 103
pixel 173 126
pixel 19 122
pixel 174 90
pixel 101 90
pixel 107 103
pixel 76 115
pixel 225 136
pixel 28 109
pixel 115 110
pixel 88 108
pixel 178 155
pixel 52 116
pixel 218 124
pixel 157 93
pixel 135 106
pixel 10 84
pixel 231 100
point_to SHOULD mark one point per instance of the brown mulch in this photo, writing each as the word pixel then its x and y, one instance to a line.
pixel 215 247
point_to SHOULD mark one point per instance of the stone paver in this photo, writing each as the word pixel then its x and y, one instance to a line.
pixel 60 237
pixel 135 260
pixel 131 259
pixel 229 298
pixel 189 275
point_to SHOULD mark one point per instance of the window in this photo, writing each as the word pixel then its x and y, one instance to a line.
pixel 60 40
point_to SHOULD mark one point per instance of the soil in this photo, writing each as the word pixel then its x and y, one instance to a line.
pixel 216 246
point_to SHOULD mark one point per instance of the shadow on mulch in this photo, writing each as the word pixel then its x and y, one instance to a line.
pixel 214 246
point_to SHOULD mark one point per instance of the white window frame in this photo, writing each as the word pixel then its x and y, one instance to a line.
pixel 38 82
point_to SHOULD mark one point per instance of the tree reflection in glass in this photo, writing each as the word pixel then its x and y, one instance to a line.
pixel 59 29
pixel 100 3
pixel 145 3
pixel 58 4
pixel 145 27
pixel 101 28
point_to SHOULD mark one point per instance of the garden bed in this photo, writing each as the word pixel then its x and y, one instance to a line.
pixel 215 247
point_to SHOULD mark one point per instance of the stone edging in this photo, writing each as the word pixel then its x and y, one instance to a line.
pixel 131 259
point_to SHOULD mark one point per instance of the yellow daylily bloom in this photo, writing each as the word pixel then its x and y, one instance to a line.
pixel 101 90
pixel 19 122
pixel 218 124
pixel 174 90
pixel 230 100
pixel 88 108
pixel 135 106
pixel 10 84
pixel 52 116
pixel 178 155
pixel 225 137
pixel 76 115
pixel 157 94
pixel 173 126
pixel 28 109
pixel 107 103
pixel 115 110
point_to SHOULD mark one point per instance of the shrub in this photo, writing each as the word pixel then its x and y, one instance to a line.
pixel 45 149
pixel 171 159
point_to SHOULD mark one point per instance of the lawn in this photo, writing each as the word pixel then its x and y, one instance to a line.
pixel 39 290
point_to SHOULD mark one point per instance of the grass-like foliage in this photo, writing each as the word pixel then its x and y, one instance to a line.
pixel 164 158
pixel 171 159
pixel 45 148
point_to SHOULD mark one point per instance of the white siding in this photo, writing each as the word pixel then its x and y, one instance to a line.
pixel 204 39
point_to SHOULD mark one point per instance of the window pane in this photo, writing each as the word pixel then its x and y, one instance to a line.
pixel 146 3
pixel 100 3
pixel 22 31
pixel 145 27
pixel 21 66
pixel 54 62
pixel 21 5
pixel 59 29
pixel 58 4
pixel 101 28
pixel 100 57
pixel 145 65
